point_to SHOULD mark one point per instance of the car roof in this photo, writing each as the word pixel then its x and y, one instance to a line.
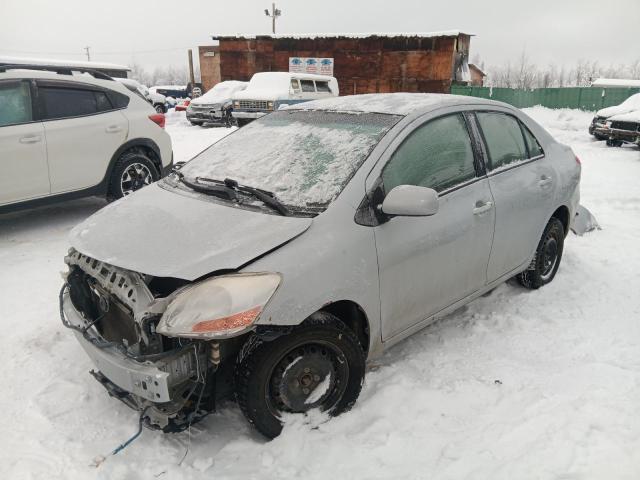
pixel 393 103
pixel 19 73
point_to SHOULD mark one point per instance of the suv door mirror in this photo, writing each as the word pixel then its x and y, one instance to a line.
pixel 411 201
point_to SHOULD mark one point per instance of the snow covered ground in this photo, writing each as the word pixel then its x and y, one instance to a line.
pixel 518 385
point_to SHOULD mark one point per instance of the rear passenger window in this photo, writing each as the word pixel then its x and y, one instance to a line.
pixel 15 103
pixel 437 155
pixel 67 102
pixel 118 100
pixel 307 86
pixel 323 87
pixel 102 102
pixel 503 137
pixel 535 150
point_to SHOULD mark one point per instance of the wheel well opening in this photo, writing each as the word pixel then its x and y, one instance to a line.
pixel 354 317
pixel 147 151
pixel 562 214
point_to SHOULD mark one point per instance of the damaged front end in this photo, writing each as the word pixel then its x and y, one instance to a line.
pixel 158 344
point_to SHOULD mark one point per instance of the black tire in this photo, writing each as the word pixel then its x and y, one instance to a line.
pixel 599 137
pixel 272 375
pixel 197 124
pixel 547 258
pixel 160 108
pixel 241 122
pixel 614 143
pixel 136 164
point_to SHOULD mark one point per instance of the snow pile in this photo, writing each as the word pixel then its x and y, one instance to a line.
pixel 518 385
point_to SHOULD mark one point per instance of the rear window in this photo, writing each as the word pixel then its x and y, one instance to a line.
pixel 307 86
pixel 323 87
pixel 118 100
pixel 15 103
pixel 535 150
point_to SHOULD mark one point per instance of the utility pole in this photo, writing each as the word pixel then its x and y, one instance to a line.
pixel 192 78
pixel 86 49
pixel 275 13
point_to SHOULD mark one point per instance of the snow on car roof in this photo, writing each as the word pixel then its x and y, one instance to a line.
pixel 60 63
pixel 390 103
pixel 444 33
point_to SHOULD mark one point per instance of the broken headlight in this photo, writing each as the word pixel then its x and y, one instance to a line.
pixel 219 307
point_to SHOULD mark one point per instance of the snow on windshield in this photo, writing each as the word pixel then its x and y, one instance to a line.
pixel 304 158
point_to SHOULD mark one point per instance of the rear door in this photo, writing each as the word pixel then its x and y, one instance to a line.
pixel 428 263
pixel 521 180
pixel 83 128
pixel 23 157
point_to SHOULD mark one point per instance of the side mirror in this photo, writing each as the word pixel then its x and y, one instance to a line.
pixel 411 201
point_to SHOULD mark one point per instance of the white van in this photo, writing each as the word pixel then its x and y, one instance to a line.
pixel 267 91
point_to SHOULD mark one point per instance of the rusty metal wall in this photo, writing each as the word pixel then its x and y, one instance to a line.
pixel 361 65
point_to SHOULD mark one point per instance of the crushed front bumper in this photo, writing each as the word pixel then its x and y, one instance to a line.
pixel 627 136
pixel 152 381
pixel 244 115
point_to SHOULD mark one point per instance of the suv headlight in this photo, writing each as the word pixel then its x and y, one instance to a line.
pixel 236 104
pixel 270 105
pixel 219 307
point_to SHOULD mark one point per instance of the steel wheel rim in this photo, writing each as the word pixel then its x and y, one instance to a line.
pixel 134 177
pixel 307 366
pixel 549 257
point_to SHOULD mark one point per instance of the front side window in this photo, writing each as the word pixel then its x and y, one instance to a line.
pixel 304 158
pixel 15 103
pixel 437 155
pixel 67 102
pixel 503 138
pixel 295 85
pixel 307 86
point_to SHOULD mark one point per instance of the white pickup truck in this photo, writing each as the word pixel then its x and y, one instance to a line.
pixel 267 91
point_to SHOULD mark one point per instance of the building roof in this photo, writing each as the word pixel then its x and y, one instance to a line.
pixel 7 60
pixel 478 69
pixel 391 103
pixel 445 33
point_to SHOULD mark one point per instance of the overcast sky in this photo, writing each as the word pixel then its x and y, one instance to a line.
pixel 157 32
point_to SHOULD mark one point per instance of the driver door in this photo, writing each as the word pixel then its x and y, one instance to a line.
pixel 428 263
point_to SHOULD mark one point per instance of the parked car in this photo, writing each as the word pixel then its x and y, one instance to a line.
pixel 215 106
pixel 267 91
pixel 159 102
pixel 334 229
pixel 173 91
pixel 183 105
pixel 65 136
pixel 624 128
pixel 599 127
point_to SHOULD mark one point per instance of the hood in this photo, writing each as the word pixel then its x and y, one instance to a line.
pixel 633 116
pixel 615 110
pixel 211 98
pixel 262 94
pixel 165 234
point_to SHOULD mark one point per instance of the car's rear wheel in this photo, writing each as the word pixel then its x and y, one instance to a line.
pixel 132 172
pixel 546 260
pixel 320 364
pixel 160 108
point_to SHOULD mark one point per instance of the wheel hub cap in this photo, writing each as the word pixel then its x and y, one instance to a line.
pixel 134 178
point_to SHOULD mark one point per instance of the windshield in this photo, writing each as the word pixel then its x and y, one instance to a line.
pixel 632 101
pixel 305 158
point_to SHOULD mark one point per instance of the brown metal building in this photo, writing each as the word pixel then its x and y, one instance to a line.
pixel 363 63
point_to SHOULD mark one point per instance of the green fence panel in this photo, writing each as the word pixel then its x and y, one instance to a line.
pixel 584 98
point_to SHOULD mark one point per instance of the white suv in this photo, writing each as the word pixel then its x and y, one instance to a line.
pixel 67 134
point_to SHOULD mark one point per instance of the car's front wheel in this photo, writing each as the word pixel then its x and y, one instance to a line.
pixel 614 143
pixel 131 172
pixel 160 108
pixel 320 364
pixel 547 258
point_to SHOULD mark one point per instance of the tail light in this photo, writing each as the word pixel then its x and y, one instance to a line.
pixel 578 160
pixel 158 119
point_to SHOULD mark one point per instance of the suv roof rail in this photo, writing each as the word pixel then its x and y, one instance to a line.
pixel 60 69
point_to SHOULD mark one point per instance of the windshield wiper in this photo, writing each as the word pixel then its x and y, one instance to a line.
pixel 266 197
pixel 228 188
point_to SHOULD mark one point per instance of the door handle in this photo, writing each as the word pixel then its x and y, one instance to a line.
pixel 113 129
pixel 482 207
pixel 31 139
pixel 544 181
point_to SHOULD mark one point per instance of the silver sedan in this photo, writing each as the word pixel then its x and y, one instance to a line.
pixel 275 263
